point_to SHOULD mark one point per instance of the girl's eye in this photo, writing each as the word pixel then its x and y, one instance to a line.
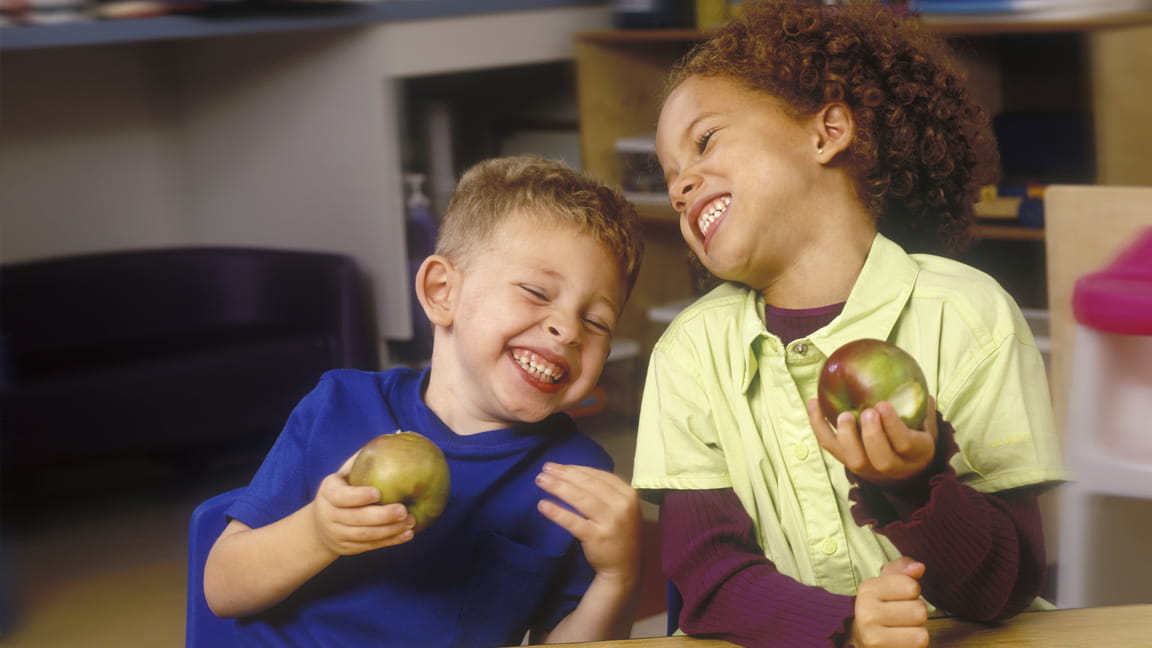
pixel 702 141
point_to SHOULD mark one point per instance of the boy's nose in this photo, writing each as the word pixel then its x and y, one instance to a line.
pixel 565 333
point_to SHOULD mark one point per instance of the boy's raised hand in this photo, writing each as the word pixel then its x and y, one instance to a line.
pixel 607 517
pixel 348 520
pixel 889 612
pixel 881 450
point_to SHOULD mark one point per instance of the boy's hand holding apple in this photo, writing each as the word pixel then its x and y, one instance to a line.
pixel 348 521
pixel 394 486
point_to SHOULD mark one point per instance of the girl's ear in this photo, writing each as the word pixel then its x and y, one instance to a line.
pixel 835 129
pixel 435 288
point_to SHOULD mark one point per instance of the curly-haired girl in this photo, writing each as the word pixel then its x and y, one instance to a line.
pixel 809 149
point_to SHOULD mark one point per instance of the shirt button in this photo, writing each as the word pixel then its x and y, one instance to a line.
pixel 801 451
pixel 801 348
pixel 829 547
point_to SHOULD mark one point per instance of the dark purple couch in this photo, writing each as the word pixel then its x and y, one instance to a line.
pixel 167 351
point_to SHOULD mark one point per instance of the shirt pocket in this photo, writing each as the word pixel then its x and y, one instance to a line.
pixel 507 584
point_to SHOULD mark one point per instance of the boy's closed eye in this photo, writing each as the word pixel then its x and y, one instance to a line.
pixel 535 293
pixel 598 325
pixel 539 295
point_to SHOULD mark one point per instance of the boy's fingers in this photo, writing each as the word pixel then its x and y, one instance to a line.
pixel 587 477
pixel 582 499
pixel 577 525
pixel 596 494
pixel 336 491
pixel 347 466
pixel 355 496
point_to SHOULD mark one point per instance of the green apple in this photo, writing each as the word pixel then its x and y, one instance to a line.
pixel 864 372
pixel 405 467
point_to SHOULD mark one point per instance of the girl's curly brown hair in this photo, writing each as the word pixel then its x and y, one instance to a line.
pixel 922 149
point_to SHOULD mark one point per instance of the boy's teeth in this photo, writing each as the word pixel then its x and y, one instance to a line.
pixel 712 212
pixel 544 370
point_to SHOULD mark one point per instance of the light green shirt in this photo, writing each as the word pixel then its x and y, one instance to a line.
pixel 724 405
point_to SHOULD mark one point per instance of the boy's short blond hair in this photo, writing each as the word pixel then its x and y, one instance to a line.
pixel 543 191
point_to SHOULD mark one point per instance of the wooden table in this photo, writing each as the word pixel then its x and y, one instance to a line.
pixel 1126 626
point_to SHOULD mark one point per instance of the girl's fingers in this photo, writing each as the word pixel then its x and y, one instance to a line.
pixel 903 565
pixel 843 442
pixel 877 447
pixel 825 434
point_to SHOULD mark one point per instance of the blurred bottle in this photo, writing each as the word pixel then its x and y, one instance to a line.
pixel 653 14
pixel 421 227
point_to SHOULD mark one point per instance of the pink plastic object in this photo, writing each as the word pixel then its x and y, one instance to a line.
pixel 1118 299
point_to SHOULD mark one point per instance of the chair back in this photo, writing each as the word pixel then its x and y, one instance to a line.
pixel 203 629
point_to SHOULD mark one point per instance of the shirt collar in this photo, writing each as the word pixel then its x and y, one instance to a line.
pixel 874 306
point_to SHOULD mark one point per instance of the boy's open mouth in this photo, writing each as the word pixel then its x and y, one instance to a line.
pixel 538 366
pixel 712 213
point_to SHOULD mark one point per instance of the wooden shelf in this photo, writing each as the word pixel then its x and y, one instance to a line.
pixel 986 24
pixel 1008 232
pixel 950 25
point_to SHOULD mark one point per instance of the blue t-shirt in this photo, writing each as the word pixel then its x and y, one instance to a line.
pixel 488 570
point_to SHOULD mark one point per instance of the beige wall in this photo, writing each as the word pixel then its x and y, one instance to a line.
pixel 1121 87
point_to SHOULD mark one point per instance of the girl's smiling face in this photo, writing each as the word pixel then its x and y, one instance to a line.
pixel 532 318
pixel 742 173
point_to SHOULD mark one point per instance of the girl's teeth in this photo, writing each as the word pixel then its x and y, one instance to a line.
pixel 712 212
pixel 543 369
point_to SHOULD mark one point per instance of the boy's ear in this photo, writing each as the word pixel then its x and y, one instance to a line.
pixel 835 129
pixel 435 288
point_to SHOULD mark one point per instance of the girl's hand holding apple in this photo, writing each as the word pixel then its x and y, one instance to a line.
pixel 882 450
pixel 876 399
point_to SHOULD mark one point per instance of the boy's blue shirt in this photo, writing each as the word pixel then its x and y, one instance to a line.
pixel 489 569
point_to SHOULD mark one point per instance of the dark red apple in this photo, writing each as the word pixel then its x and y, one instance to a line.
pixel 405 467
pixel 864 372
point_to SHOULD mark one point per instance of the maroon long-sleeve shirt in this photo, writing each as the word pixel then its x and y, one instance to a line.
pixel 983 553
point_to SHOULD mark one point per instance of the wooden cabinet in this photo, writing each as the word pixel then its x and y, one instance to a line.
pixel 1098 68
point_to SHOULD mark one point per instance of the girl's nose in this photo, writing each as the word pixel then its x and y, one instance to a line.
pixel 680 188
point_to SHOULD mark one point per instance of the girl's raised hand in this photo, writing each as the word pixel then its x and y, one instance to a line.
pixel 881 450
pixel 606 519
